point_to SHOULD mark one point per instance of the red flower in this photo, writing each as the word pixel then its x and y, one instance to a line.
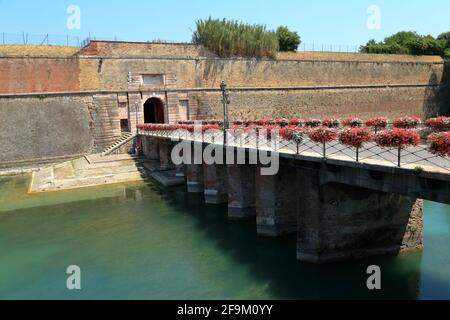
pixel 355 137
pixel 282 122
pixel 377 122
pixel 322 134
pixel 331 122
pixel 297 122
pixel 439 143
pixel 207 127
pixel 292 133
pixel 313 123
pixel 352 122
pixel 397 138
pixel 438 124
pixel 407 122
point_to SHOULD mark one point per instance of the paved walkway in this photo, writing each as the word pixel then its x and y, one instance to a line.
pixel 89 171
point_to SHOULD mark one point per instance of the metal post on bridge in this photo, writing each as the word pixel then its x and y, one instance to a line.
pixel 136 115
pixel 225 102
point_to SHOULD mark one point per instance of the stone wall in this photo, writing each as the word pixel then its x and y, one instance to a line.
pixel 279 73
pixel 36 129
pixel 303 84
pixel 143 49
pixel 361 102
pixel 25 74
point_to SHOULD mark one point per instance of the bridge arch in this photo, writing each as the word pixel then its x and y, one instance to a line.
pixel 154 111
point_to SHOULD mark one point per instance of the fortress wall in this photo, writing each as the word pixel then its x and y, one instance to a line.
pixel 112 74
pixel 45 126
pixel 143 49
pixel 275 73
pixel 23 75
pixel 33 129
pixel 363 102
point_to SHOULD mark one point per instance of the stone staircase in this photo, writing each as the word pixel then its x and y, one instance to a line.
pixel 126 138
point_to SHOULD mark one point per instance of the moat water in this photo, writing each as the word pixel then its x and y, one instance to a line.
pixel 137 241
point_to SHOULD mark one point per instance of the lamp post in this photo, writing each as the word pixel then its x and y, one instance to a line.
pixel 137 115
pixel 225 102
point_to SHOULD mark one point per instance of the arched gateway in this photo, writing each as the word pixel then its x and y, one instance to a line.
pixel 154 111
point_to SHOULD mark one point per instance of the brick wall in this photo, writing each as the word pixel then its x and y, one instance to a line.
pixel 23 75
pixel 391 102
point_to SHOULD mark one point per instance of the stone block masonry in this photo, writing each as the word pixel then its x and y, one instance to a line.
pixel 96 81
pixel 241 191
pixel 344 222
pixel 37 129
pixel 276 202
pixel 216 183
pixel 335 218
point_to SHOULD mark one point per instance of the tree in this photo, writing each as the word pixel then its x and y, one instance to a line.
pixel 289 40
pixel 444 39
pixel 425 46
pixel 408 42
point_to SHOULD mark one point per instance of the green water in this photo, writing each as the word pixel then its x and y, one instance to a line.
pixel 137 241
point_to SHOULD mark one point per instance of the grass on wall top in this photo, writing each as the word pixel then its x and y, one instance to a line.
pixel 236 39
pixel 29 50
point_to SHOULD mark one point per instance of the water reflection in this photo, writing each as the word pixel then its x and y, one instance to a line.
pixel 144 242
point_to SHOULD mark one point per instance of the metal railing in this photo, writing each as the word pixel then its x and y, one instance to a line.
pixel 62 40
pixel 80 41
pixel 417 158
pixel 328 47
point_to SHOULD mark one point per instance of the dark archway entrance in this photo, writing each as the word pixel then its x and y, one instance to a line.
pixel 154 111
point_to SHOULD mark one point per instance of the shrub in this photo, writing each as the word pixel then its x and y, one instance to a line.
pixel 248 123
pixel 292 133
pixel 288 40
pixel 439 143
pixel 355 137
pixel 438 124
pixel 265 122
pixel 331 122
pixel 407 122
pixel 352 122
pixel 407 42
pixel 313 123
pixel 397 138
pixel 233 38
pixel 297 122
pixel 268 131
pixel 322 134
pixel 282 122
pixel 377 123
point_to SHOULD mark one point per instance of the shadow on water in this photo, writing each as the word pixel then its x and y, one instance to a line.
pixel 144 241
pixel 274 261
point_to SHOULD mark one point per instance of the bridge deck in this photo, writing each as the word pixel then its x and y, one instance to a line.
pixel 417 159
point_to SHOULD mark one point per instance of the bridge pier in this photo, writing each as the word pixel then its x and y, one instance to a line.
pixel 343 222
pixel 276 202
pixel 216 184
pixel 165 155
pixel 241 191
pixel 194 170
pixel 150 148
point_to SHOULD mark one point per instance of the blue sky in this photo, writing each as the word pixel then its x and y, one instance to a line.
pixel 319 21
